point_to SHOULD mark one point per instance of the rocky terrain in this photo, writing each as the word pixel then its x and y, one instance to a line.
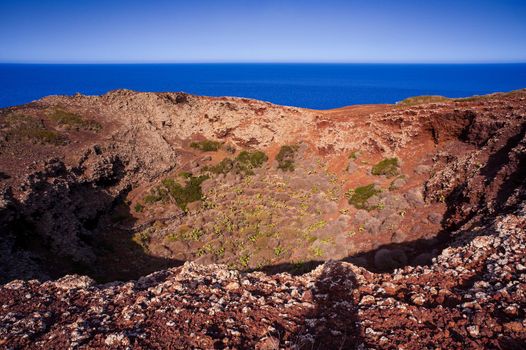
pixel 166 220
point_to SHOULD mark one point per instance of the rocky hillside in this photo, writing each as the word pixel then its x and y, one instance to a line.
pixel 236 223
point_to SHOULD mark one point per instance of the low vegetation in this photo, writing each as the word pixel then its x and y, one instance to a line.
pixel 182 195
pixel 388 167
pixel 139 207
pixel 143 238
pixel 185 233
pixel 206 145
pixel 416 100
pixel 74 121
pixel 359 196
pixel 30 128
pixel 469 99
pixel 285 157
pixel 247 161
pixel 243 164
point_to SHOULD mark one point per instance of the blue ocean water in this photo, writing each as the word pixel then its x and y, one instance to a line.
pixel 319 86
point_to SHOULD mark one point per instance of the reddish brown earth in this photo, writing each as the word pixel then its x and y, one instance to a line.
pixel 274 259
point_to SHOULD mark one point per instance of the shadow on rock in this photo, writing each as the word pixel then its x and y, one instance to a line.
pixel 334 322
pixel 56 227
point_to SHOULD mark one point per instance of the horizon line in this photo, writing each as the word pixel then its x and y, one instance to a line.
pixel 254 62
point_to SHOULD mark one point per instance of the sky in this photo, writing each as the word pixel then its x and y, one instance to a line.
pixel 372 31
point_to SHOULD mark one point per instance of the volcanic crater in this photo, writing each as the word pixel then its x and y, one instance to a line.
pixel 167 220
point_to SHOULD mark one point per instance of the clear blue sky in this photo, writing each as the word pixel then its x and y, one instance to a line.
pixel 263 31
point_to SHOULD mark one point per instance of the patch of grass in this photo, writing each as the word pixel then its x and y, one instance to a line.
pixel 387 167
pixel 185 233
pixel 74 121
pixel 359 196
pixel 286 157
pixel 30 128
pixel 416 100
pixel 206 145
pixel 44 136
pixel 182 195
pixel 243 164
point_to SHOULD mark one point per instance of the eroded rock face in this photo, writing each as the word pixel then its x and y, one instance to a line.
pixel 442 240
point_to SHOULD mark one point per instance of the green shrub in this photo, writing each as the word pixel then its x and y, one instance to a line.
pixel 286 157
pixel 73 120
pixel 191 192
pixel 244 163
pixel 253 159
pixel 206 145
pixel 223 167
pixel 182 195
pixel 359 196
pixel 387 167
pixel 139 207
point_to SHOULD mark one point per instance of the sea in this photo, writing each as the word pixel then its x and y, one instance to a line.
pixel 318 86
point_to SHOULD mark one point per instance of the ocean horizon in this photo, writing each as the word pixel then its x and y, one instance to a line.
pixel 308 85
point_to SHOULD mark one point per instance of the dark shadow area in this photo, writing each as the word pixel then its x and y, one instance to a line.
pixel 118 255
pixel 501 158
pixel 385 258
pixel 516 179
pixel 332 295
pixel 69 227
